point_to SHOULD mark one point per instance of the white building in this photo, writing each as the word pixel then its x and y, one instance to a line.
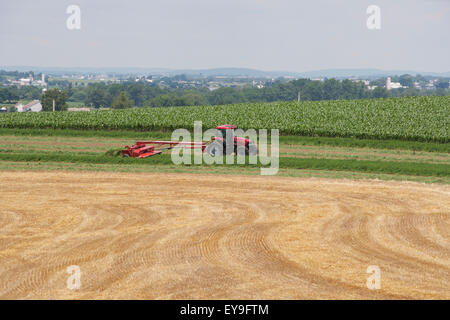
pixel 33 106
pixel 19 107
pixel 392 85
pixel 430 85
pixel 25 81
pixel 257 84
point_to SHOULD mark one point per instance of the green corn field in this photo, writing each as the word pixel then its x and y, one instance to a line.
pixel 414 118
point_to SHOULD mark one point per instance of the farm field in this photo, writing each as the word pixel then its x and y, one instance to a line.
pixel 404 161
pixel 224 159
pixel 418 118
pixel 170 236
pixel 348 195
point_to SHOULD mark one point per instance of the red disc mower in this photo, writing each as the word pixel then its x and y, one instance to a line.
pixel 217 145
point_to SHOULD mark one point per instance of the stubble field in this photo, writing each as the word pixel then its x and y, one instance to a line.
pixel 183 236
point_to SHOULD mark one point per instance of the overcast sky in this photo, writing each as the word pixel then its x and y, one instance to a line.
pixel 290 35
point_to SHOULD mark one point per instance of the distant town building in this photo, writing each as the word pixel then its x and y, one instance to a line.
pixel 33 106
pixel 392 85
pixel 42 82
pixel 25 81
pixel 258 84
pixel 28 82
pixel 19 107
pixel 430 85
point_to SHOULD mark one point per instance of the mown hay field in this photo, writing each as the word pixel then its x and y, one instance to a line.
pixel 194 236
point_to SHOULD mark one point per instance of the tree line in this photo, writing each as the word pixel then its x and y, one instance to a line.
pixel 129 94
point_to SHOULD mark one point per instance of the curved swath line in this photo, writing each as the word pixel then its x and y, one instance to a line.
pixel 64 256
pixel 425 244
pixel 9 219
pixel 441 231
pixel 124 250
pixel 238 215
pixel 260 259
pixel 199 247
pixel 36 275
pixel 363 244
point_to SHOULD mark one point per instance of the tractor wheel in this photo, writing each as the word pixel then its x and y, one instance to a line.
pixel 126 155
pixel 214 148
pixel 250 149
pixel 239 151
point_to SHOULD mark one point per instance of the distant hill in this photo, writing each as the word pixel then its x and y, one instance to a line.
pixel 347 73
pixel 231 72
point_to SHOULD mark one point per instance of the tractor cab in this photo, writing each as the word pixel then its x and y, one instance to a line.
pixel 235 144
pixel 223 129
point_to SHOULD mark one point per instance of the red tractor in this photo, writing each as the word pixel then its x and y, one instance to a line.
pixel 220 145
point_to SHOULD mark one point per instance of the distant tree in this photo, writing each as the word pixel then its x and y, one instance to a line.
pixel 96 95
pixel 442 84
pixel 29 93
pixel 439 92
pixel 58 95
pixel 378 82
pixel 351 90
pixel 174 99
pixel 78 95
pixel 112 92
pixel 331 89
pixel 410 92
pixel 420 78
pixel 11 94
pixel 194 99
pixel 225 96
pixel 406 80
pixel 313 91
pixel 136 91
pixel 380 92
pixel 122 101
pixel 254 94
pixel 300 83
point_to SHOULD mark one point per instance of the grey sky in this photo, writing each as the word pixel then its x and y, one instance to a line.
pixel 289 35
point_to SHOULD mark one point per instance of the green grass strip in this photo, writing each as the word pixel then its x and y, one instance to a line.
pixel 291 140
pixel 367 143
pixel 391 167
pixel 86 133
